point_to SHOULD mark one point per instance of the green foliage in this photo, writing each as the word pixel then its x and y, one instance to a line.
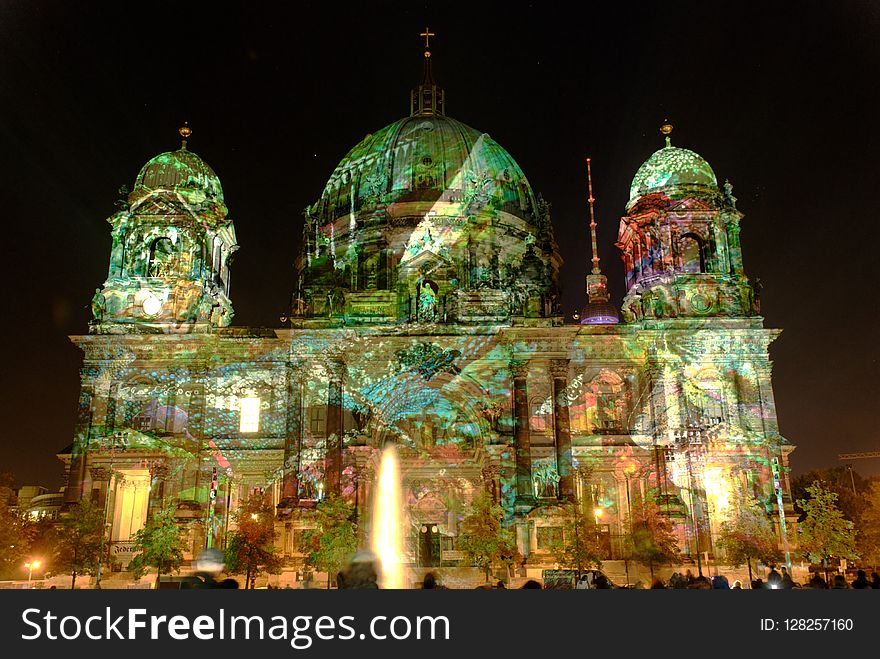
pixel 334 539
pixel 869 526
pixel 840 481
pixel 250 548
pixel 483 538
pixel 14 542
pixel 750 536
pixel 824 533
pixel 651 540
pixel 579 547
pixel 78 541
pixel 160 544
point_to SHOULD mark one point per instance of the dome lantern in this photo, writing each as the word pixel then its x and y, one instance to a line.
pixel 428 98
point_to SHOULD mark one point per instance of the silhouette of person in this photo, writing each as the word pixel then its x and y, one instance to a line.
pixel 861 581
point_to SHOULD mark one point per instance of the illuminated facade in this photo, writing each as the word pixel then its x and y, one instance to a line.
pixel 426 312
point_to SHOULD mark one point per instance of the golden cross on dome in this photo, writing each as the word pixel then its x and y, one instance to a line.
pixel 427 34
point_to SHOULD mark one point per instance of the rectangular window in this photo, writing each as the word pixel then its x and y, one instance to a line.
pixel 317 419
pixel 250 415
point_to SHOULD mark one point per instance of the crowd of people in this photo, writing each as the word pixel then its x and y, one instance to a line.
pixel 362 572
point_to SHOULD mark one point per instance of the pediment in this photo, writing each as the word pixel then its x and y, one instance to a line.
pixel 424 262
pixel 689 204
pixel 154 206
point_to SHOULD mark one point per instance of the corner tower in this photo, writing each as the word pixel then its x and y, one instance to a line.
pixel 680 241
pixel 172 247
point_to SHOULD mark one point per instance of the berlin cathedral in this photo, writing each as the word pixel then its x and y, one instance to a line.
pixel 426 313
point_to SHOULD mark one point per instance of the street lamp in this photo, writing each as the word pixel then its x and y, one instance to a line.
pixel 31 566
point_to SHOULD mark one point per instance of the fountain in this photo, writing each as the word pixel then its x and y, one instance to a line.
pixel 388 520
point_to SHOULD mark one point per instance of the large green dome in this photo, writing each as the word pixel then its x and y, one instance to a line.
pixel 427 218
pixel 419 158
pixel 671 167
pixel 179 171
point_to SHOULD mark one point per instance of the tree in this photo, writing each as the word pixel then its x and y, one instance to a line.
pixel 651 540
pixel 839 480
pixel 160 544
pixel 78 540
pixel 750 535
pixel 824 533
pixel 869 526
pixel 334 539
pixel 579 545
pixel 483 538
pixel 14 541
pixel 250 547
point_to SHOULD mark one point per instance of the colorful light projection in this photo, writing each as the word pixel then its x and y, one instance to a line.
pixel 426 315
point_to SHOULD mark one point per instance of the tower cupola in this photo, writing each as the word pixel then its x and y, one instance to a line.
pixel 172 247
pixel 679 241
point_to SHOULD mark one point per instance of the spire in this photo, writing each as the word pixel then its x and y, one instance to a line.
pixel 427 98
pixel 597 283
pixel 185 131
pixel 666 129
pixel 596 270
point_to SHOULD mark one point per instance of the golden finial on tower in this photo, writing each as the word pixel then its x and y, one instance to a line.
pixel 666 129
pixel 185 131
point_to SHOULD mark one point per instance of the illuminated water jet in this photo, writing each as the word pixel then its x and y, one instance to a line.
pixel 388 519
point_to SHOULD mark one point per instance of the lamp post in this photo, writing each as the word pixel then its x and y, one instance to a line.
pixel 597 513
pixel 31 566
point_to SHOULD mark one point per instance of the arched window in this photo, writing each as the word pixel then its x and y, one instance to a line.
pixel 706 403
pixel 161 258
pixel 691 258
pixel 540 413
pixel 607 389
pixel 143 406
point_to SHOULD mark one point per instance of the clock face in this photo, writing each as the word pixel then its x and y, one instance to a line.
pixel 152 306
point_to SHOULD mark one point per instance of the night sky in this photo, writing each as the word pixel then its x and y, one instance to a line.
pixel 783 101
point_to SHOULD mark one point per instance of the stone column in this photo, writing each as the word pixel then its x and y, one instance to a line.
pixel 492 481
pixel 292 436
pixel 561 428
pixel 660 418
pixel 522 440
pixel 333 458
pixel 82 437
pixel 159 470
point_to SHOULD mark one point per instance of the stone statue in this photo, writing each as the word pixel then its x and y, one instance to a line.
pixel 630 309
pixel 728 193
pixel 756 296
pixel 204 308
pixel 99 305
pixel 427 303
pixel 648 306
